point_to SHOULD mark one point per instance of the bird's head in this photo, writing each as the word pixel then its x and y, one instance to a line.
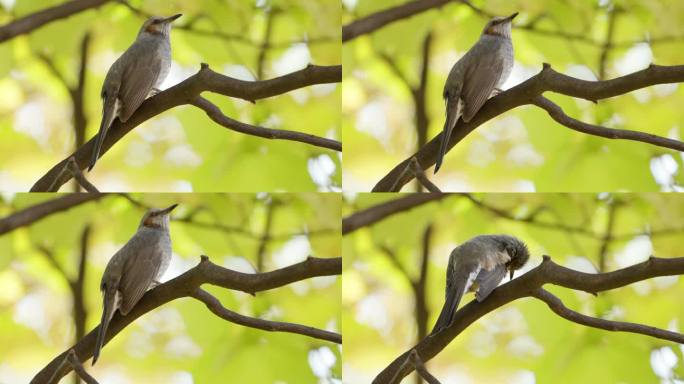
pixel 157 218
pixel 518 252
pixel 499 26
pixel 158 26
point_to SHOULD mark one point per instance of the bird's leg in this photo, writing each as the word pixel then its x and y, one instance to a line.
pixel 154 91
pixel 154 284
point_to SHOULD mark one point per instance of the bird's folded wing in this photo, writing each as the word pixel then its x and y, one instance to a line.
pixel 488 280
pixel 139 272
pixel 138 80
pixel 479 84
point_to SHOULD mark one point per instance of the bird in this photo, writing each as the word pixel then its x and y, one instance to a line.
pixel 137 73
pixel 137 266
pixel 479 265
pixel 476 76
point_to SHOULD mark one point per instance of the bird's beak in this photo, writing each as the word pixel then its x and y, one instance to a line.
pixel 168 210
pixel 172 18
pixel 511 17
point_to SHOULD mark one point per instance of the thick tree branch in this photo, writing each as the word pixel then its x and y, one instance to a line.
pixel 36 20
pixel 219 310
pixel 218 117
pixel 528 284
pixel 184 285
pixel 372 215
pixel 39 211
pixel 185 93
pixel 556 305
pixel 526 92
pixel 379 19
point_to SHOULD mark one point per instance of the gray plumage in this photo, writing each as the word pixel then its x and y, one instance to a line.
pixel 134 269
pixel 483 69
pixel 479 265
pixel 134 75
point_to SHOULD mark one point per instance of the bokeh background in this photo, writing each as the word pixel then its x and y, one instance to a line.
pixel 523 342
pixel 180 342
pixel 181 149
pixel 522 149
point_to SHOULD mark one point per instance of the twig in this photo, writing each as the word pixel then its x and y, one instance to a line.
pixel 76 365
pixel 379 19
pixel 218 117
pixel 556 305
pixel 219 310
pixel 421 369
pixel 78 175
pixel 36 212
pixel 560 117
pixel 36 20
pixel 419 174
pixel 372 215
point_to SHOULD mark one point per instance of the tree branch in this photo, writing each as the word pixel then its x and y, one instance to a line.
pixel 218 117
pixel 72 360
pixel 41 210
pixel 265 235
pixel 560 117
pixel 372 215
pixel 556 305
pixel 184 285
pixel 214 305
pixel 526 92
pixel 185 93
pixel 36 20
pixel 379 19
pixel 421 369
pixel 547 272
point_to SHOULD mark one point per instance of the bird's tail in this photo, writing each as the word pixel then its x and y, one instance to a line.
pixel 446 317
pixel 108 115
pixel 108 308
pixel 452 114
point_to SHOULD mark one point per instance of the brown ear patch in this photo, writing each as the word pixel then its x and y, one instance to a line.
pixel 150 223
pixel 153 29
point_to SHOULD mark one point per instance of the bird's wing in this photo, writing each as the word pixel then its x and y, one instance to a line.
pixel 457 285
pixel 479 84
pixel 138 80
pixel 488 280
pixel 139 271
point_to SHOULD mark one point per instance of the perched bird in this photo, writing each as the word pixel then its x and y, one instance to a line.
pixel 135 268
pixel 481 71
pixel 134 75
pixel 479 265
